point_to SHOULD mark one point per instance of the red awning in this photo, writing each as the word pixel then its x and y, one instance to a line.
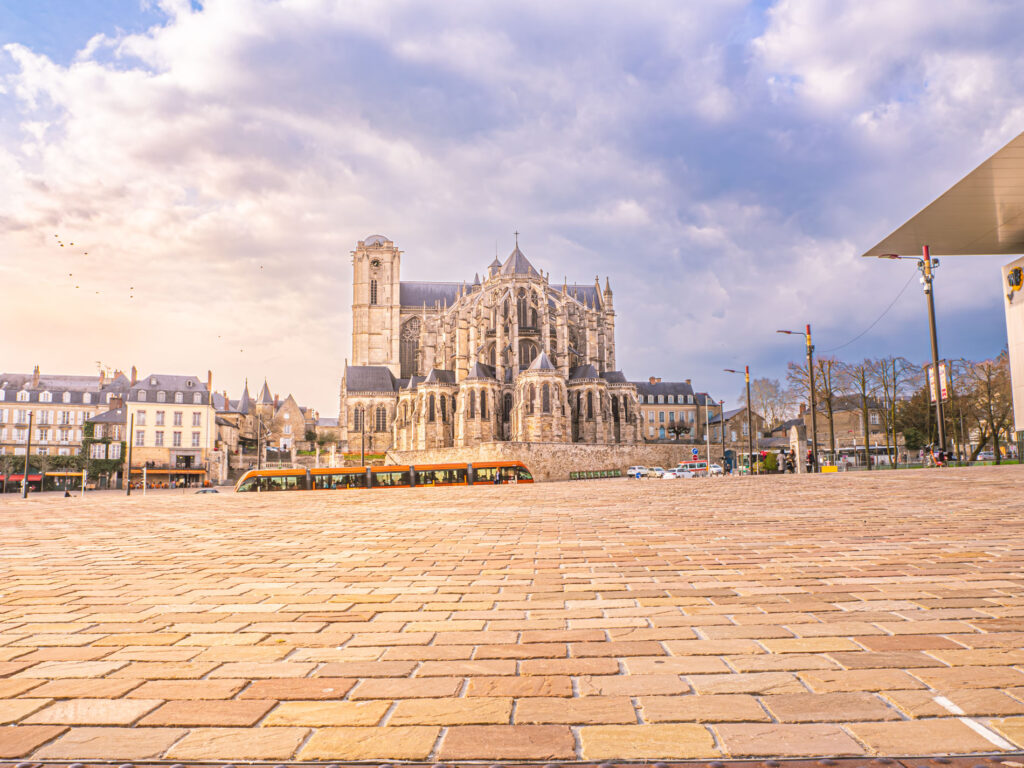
pixel 31 478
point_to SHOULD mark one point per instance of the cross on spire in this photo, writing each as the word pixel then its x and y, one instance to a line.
pixel 516 233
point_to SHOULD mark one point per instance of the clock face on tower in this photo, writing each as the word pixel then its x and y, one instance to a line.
pixel 374 262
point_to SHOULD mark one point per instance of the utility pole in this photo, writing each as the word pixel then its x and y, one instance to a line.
pixel 362 436
pixel 811 394
pixel 721 423
pixel 707 429
pixel 926 270
pixel 259 439
pixel 750 422
pixel 928 265
pixel 28 450
pixel 128 462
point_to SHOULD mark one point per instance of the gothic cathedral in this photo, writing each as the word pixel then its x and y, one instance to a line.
pixel 509 357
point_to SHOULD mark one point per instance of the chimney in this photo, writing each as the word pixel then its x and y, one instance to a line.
pixel 803 408
pixel 276 400
pixel 209 382
pixel 103 377
pixel 655 380
pixel 689 382
pixel 35 377
pixel 135 376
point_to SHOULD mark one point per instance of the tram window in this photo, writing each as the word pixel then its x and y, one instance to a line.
pixel 249 484
pixel 484 474
pixel 440 476
pixel 390 479
pixel 523 473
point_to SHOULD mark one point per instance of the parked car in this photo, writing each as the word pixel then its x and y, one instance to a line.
pixel 655 471
pixel 987 456
pixel 634 471
pixel 672 474
pixel 717 469
pixel 207 490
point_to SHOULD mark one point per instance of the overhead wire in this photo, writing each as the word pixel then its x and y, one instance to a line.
pixel 877 319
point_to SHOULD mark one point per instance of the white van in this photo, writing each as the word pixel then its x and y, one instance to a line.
pixel 693 468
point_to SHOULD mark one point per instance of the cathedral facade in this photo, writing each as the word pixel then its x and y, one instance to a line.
pixel 507 357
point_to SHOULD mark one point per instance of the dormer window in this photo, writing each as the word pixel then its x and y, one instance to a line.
pixel 142 396
pixel 152 381
pixel 87 398
pixel 179 397
pixel 189 383
pixel 23 396
pixel 45 397
pixel 67 397
pixel 197 398
pixel 161 396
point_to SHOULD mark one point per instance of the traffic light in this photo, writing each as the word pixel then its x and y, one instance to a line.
pixel 1015 278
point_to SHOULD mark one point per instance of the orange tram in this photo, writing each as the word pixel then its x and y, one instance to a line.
pixel 422 475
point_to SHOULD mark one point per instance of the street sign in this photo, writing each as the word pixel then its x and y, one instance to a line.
pixel 695 453
pixel 944 380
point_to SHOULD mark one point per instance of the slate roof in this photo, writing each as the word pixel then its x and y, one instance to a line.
pixel 614 377
pixel 785 426
pixel 583 372
pixel 327 422
pixel 113 416
pixel 416 294
pixel 585 294
pixel 170 383
pixel 482 371
pixel 541 363
pixel 265 397
pixel 728 415
pixel 440 376
pixel 245 402
pixel 58 384
pixel 663 388
pixel 518 264
pixel 370 378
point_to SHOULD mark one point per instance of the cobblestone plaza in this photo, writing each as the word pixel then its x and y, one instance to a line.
pixel 857 614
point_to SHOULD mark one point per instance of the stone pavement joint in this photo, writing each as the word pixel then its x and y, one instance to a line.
pixel 868 615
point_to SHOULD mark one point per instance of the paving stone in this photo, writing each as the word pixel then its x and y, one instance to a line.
pixel 93 712
pixel 826 681
pixel 366 669
pixel 466 668
pixel 736 707
pixel 630 685
pixel 1011 727
pixel 410 742
pixel 298 688
pixel 11 711
pixel 970 677
pixel 828 707
pixel 470 711
pixel 238 744
pixel 186 689
pixel 327 713
pixel 776 740
pixel 669 741
pixel 101 743
pixel 22 740
pixel 406 688
pixel 208 713
pixel 532 685
pixel 920 737
pixel 973 701
pixel 507 742
pixel 746 682
pixel 591 709
pixel 676 665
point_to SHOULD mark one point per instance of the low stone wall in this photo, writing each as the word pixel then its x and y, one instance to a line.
pixel 552 461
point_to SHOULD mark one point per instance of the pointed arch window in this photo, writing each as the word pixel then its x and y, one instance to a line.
pixel 381 424
pixel 590 405
pixel 430 409
pixel 472 404
pixel 409 347
pixel 373 291
pixel 483 404
pixel 357 419
pixel 545 399
pixel 533 394
pixel 444 408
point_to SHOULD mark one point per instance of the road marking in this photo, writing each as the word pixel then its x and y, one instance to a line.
pixel 975 726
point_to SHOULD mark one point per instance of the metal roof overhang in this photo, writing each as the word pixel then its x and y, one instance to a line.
pixel 983 213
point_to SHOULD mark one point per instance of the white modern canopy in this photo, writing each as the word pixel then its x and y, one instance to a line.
pixel 983 213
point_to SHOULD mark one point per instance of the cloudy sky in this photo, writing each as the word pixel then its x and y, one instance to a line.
pixel 725 163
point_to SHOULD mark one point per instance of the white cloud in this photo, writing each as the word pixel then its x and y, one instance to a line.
pixel 218 168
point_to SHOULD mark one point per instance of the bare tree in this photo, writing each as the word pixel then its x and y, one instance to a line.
pixel 770 400
pixel 893 378
pixel 827 387
pixel 857 378
pixel 992 400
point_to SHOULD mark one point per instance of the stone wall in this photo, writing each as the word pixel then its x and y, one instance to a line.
pixel 551 461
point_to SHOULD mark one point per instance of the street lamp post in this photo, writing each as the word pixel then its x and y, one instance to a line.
pixel 721 423
pixel 750 423
pixel 927 265
pixel 811 394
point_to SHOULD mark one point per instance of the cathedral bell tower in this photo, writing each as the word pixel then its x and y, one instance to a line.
pixel 376 303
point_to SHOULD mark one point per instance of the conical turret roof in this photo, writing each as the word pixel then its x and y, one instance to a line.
pixel 541 363
pixel 265 396
pixel 518 264
pixel 245 402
